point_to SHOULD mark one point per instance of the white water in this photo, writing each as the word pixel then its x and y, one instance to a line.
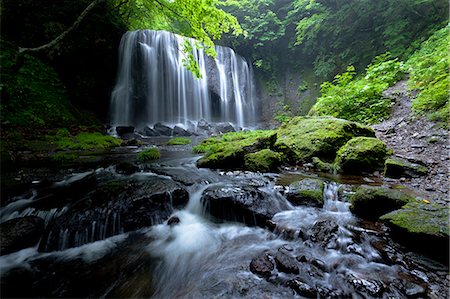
pixel 154 86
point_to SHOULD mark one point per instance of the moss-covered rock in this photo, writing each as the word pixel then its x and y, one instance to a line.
pixel 361 154
pixel 303 138
pixel 263 161
pixel 322 166
pixel 306 192
pixel 228 151
pixel 149 154
pixel 372 202
pixel 396 168
pixel 421 225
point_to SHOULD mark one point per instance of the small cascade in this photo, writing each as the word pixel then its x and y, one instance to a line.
pixel 153 85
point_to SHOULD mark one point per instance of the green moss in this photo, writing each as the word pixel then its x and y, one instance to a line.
pixel 372 202
pixel 322 166
pixel 420 218
pixel 361 154
pixel 396 168
pixel 149 154
pixel 263 161
pixel 83 141
pixel 228 151
pixel 303 138
pixel 179 141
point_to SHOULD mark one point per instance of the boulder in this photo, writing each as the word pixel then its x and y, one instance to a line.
pixel 371 287
pixel 162 129
pixel 323 231
pixel 20 233
pixel 265 160
pixel 245 204
pixel 178 131
pixel 262 265
pixel 147 131
pixel 361 154
pixel 397 168
pixel 122 130
pixel 286 262
pixel 303 138
pixel 307 192
pixel 421 226
pixel 322 166
pixel 228 151
pixel 113 207
pixel 225 128
pixel 302 289
pixel 372 202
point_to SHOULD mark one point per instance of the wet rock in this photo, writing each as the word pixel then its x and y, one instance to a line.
pixel 20 233
pixel 162 129
pixel 302 288
pixel 397 168
pixel 147 131
pixel 130 142
pixel 307 192
pixel 323 231
pixel 126 168
pixel 225 128
pixel 122 130
pixel 245 204
pixel 178 131
pixel 174 220
pixel 320 264
pixel 372 202
pixel 113 207
pixel 204 125
pixel 369 286
pixel 413 290
pixel 262 265
pixel 286 263
pixel 421 226
pixel 361 154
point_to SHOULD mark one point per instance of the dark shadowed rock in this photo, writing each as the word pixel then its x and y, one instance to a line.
pixel 20 233
pixel 245 204
pixel 372 287
pixel 147 131
pixel 122 130
pixel 162 129
pixel 397 168
pixel 126 168
pixel 174 220
pixel 286 262
pixel 262 265
pixel 115 206
pixel 225 128
pixel 177 131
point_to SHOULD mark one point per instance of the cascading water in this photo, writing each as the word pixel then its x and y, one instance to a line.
pixel 153 85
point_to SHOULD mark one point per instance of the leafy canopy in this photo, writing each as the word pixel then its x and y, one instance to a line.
pixel 198 19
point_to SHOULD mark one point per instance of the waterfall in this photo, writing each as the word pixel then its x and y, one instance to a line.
pixel 154 86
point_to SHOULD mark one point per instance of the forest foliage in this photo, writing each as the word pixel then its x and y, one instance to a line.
pixel 360 98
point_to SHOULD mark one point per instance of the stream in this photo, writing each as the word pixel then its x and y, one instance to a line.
pixel 153 233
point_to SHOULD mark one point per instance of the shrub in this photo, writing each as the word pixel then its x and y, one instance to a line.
pixel 179 141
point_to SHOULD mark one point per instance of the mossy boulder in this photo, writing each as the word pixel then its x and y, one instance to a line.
pixel 307 192
pixel 372 202
pixel 322 166
pixel 361 154
pixel 423 226
pixel 228 151
pixel 396 168
pixel 303 138
pixel 263 161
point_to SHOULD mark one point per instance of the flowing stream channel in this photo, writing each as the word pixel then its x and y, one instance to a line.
pixel 186 252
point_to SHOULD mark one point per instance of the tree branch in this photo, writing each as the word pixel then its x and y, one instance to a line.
pixel 60 37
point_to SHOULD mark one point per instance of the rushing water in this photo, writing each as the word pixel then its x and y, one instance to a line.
pixel 153 85
pixel 199 256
